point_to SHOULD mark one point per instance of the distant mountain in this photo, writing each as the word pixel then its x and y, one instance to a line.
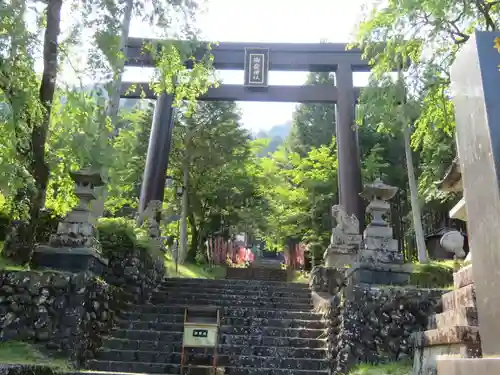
pixel 277 135
pixel 281 130
pixel 125 103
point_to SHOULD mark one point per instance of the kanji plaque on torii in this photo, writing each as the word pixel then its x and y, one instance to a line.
pixel 256 67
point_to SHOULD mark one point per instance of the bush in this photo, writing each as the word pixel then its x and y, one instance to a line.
pixel 116 234
pixel 435 274
pixel 121 235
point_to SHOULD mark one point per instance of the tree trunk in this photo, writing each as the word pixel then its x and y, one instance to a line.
pixel 415 204
pixel 38 168
pixel 184 212
pixel 190 256
pixel 114 100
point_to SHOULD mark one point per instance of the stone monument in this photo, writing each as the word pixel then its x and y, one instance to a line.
pixel 74 247
pixel 475 79
pixel 378 261
pixel 344 241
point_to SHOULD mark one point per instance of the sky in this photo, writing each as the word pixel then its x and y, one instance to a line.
pixel 286 21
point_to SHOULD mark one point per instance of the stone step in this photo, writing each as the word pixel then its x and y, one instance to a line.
pixel 164 322
pixel 465 316
pixel 236 284
pixel 466 335
pixel 169 338
pixel 265 351
pixel 142 335
pixel 132 356
pixel 463 277
pixel 273 332
pixel 238 290
pixel 463 297
pixel 234 311
pixel 243 340
pixel 194 296
pixel 236 303
pixel 126 368
pixel 152 335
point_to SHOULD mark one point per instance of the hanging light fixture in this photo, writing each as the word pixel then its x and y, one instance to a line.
pixel 180 191
pixel 169 181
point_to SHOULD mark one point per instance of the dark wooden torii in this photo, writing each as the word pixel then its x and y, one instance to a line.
pixel 312 57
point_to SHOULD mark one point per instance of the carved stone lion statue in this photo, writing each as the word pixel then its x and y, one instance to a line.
pixel 348 224
pixel 345 224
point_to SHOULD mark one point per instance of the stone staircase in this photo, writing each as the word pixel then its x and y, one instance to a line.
pixel 454 331
pixel 266 328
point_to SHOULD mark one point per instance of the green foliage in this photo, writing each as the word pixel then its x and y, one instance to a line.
pixel 173 77
pixel 396 368
pixel 313 124
pixel 16 352
pixel 79 132
pixel 127 167
pixel 223 185
pixel 428 34
pixel 116 234
pixel 300 193
pixel 435 274
pixel 122 235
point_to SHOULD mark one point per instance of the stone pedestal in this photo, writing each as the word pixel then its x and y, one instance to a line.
pixel 468 366
pixel 379 261
pixel 336 256
pixel 345 240
pixel 452 332
pixel 75 246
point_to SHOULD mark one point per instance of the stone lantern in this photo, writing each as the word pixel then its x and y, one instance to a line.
pixel 75 246
pixel 378 261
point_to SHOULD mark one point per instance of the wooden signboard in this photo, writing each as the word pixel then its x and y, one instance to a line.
pixel 201 330
pixel 256 67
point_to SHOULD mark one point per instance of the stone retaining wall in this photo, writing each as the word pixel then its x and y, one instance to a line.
pixel 377 322
pixel 370 323
pixel 67 312
pixel 135 272
pixel 70 312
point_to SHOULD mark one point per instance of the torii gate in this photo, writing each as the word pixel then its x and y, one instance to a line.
pixel 312 57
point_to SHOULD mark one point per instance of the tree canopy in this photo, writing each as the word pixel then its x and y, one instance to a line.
pixel 59 113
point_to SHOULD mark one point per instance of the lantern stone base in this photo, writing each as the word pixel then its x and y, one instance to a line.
pixel 382 273
pixel 69 259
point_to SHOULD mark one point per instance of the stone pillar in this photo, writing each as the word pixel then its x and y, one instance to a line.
pixel 155 172
pixel 349 175
pixel 379 262
pixel 476 90
pixel 75 246
pixel 475 79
